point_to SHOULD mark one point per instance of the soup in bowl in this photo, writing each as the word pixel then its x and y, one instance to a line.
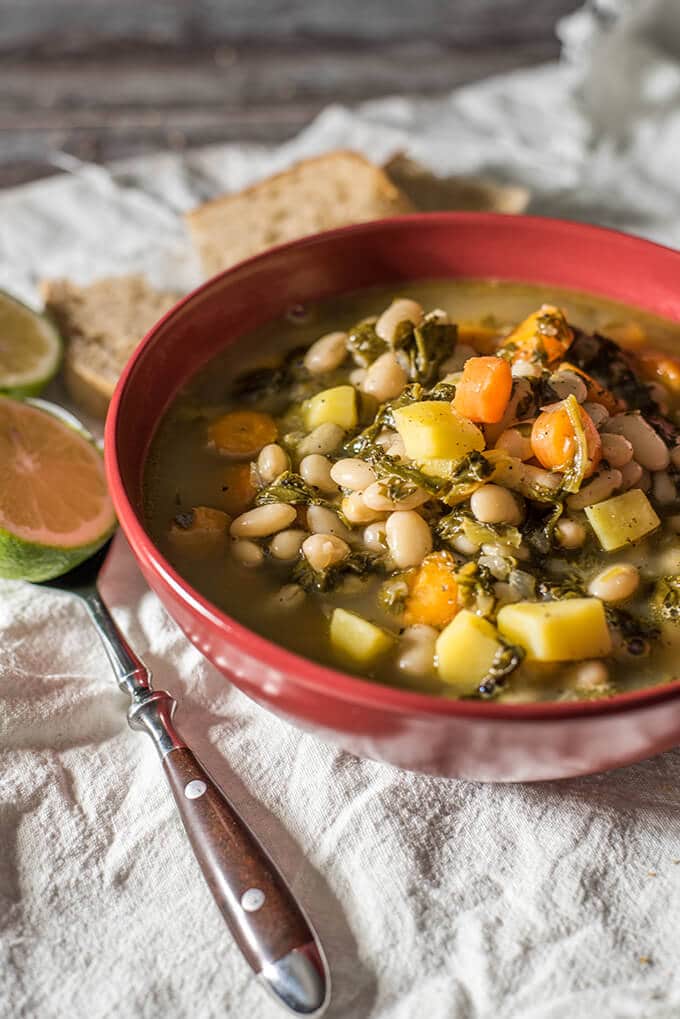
pixel 439 454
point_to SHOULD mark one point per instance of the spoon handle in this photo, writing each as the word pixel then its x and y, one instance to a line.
pixel 264 917
pixel 266 921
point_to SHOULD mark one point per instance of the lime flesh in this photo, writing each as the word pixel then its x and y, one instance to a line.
pixel 30 349
pixel 55 509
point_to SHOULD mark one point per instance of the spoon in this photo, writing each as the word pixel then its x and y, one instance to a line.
pixel 266 921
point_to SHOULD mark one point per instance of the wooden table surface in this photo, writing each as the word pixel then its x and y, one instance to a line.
pixel 103 81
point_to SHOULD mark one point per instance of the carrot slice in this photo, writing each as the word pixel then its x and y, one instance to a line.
pixel 433 592
pixel 201 531
pixel 553 440
pixel 238 490
pixel 543 337
pixel 597 393
pixel 484 390
pixel 242 433
pixel 657 366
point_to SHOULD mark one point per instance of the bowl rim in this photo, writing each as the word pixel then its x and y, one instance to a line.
pixel 305 672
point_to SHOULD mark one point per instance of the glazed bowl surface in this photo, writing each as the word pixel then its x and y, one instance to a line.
pixel 474 740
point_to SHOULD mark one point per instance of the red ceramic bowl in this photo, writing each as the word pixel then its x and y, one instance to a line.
pixel 474 740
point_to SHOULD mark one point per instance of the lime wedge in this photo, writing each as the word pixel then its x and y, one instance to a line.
pixel 30 348
pixel 55 509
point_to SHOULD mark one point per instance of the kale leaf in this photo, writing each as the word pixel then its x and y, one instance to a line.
pixel 356 563
pixel 422 348
pixel 364 344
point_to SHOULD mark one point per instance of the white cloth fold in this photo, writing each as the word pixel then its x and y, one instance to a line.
pixel 441 897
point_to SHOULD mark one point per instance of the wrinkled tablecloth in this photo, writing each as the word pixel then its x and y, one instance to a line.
pixel 434 897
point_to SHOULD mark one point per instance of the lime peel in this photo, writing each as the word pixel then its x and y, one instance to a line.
pixel 55 510
pixel 30 348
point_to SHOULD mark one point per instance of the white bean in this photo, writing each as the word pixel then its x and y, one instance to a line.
pixel 385 378
pixel 323 439
pixel 409 538
pixel 616 583
pixel 356 511
pixel 315 469
pixel 375 536
pixel 400 310
pixel 675 456
pixel 645 482
pixel 601 487
pixel 357 376
pixel 525 370
pixel 649 449
pixel 512 442
pixel 566 383
pixel 524 478
pixel 247 553
pixel 326 354
pixel 596 412
pixel 352 473
pixel 492 504
pixel 386 438
pixel 590 676
pixel 376 498
pixel 663 488
pixel 397 449
pixel 286 544
pixel 570 533
pixel 465 545
pixel 272 461
pixel 291 596
pixel 321 520
pixel 506 551
pixel 416 650
pixel 616 449
pixel 263 521
pixel 324 550
pixel 630 475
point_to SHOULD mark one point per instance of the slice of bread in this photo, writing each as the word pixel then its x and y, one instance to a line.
pixel 431 193
pixel 101 324
pixel 328 191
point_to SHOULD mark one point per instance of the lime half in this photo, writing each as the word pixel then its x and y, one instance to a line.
pixel 55 509
pixel 30 348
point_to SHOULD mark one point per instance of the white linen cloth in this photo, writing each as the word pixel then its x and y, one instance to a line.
pixel 435 897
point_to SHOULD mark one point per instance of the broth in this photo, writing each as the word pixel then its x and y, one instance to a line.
pixel 184 472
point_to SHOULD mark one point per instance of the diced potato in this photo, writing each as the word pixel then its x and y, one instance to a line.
pixel 623 519
pixel 434 429
pixel 337 406
pixel 465 651
pixel 201 530
pixel 357 639
pixel 557 631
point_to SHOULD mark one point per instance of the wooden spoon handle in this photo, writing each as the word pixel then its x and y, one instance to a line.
pixel 260 910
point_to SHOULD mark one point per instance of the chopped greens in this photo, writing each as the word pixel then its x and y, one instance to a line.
pixel 507 658
pixel 422 348
pixel 364 344
pixel 292 489
pixel 666 598
pixel 578 468
pixel 357 563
